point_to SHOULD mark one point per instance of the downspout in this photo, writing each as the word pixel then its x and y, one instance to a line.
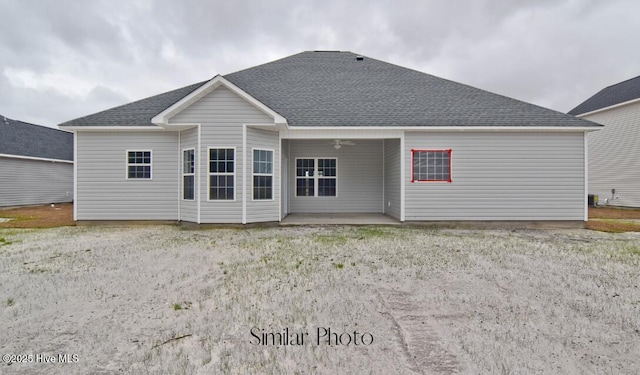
pixel 75 175
pixel 180 163
pixel 197 177
pixel 586 177
pixel 402 178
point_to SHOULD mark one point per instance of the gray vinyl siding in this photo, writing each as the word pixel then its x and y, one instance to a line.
pixel 263 210
pixel 188 208
pixel 614 156
pixel 392 199
pixel 104 193
pixel 359 182
pixel 500 176
pixel 30 182
pixel 221 114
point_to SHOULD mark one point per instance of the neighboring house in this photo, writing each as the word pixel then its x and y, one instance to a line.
pixel 614 152
pixel 329 132
pixel 36 164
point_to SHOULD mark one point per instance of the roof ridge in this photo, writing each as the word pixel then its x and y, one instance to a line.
pixel 267 63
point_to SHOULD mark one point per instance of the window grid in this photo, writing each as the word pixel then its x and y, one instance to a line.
pixel 431 165
pixel 316 183
pixel 262 174
pixel 221 174
pixel 139 165
pixel 188 174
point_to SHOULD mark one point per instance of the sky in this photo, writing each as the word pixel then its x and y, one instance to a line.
pixel 63 59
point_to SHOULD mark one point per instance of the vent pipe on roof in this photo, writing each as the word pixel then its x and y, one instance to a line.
pixel 5 120
pixel 359 58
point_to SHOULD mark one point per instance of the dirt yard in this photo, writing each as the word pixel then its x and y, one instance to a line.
pixel 38 216
pixel 614 219
pixel 380 300
pixel 605 219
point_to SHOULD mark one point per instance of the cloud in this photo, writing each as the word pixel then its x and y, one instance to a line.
pixel 66 59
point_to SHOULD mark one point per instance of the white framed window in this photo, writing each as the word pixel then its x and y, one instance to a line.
pixel 188 174
pixel 138 164
pixel 430 165
pixel 262 174
pixel 316 177
pixel 222 173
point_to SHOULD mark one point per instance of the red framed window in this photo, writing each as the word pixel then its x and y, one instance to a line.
pixel 430 165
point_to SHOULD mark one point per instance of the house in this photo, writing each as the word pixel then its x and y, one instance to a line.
pixel 36 164
pixel 614 152
pixel 329 132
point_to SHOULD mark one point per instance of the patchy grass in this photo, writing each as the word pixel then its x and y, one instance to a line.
pixel 43 216
pixel 155 299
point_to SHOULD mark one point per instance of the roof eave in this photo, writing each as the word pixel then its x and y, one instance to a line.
pixel 618 105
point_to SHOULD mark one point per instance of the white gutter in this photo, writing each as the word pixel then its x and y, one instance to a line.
pixel 455 128
pixel 36 158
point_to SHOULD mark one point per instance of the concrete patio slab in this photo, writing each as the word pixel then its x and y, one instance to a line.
pixel 338 219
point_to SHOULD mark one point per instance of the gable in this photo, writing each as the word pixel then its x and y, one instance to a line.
pixel 220 105
pixel 162 118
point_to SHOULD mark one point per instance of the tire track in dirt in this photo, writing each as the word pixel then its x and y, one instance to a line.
pixel 421 345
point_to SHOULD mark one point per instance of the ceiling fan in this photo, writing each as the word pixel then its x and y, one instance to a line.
pixel 338 143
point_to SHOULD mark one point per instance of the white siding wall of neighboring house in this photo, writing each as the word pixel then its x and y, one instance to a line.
pixel 263 210
pixel 221 114
pixel 392 198
pixel 31 182
pixel 105 193
pixel 359 182
pixel 500 176
pixel 188 208
pixel 614 155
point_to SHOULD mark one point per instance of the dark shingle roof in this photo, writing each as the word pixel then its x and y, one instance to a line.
pixel 138 113
pixel 612 95
pixel 24 139
pixel 336 89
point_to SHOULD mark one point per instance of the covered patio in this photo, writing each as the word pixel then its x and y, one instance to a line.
pixel 338 178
